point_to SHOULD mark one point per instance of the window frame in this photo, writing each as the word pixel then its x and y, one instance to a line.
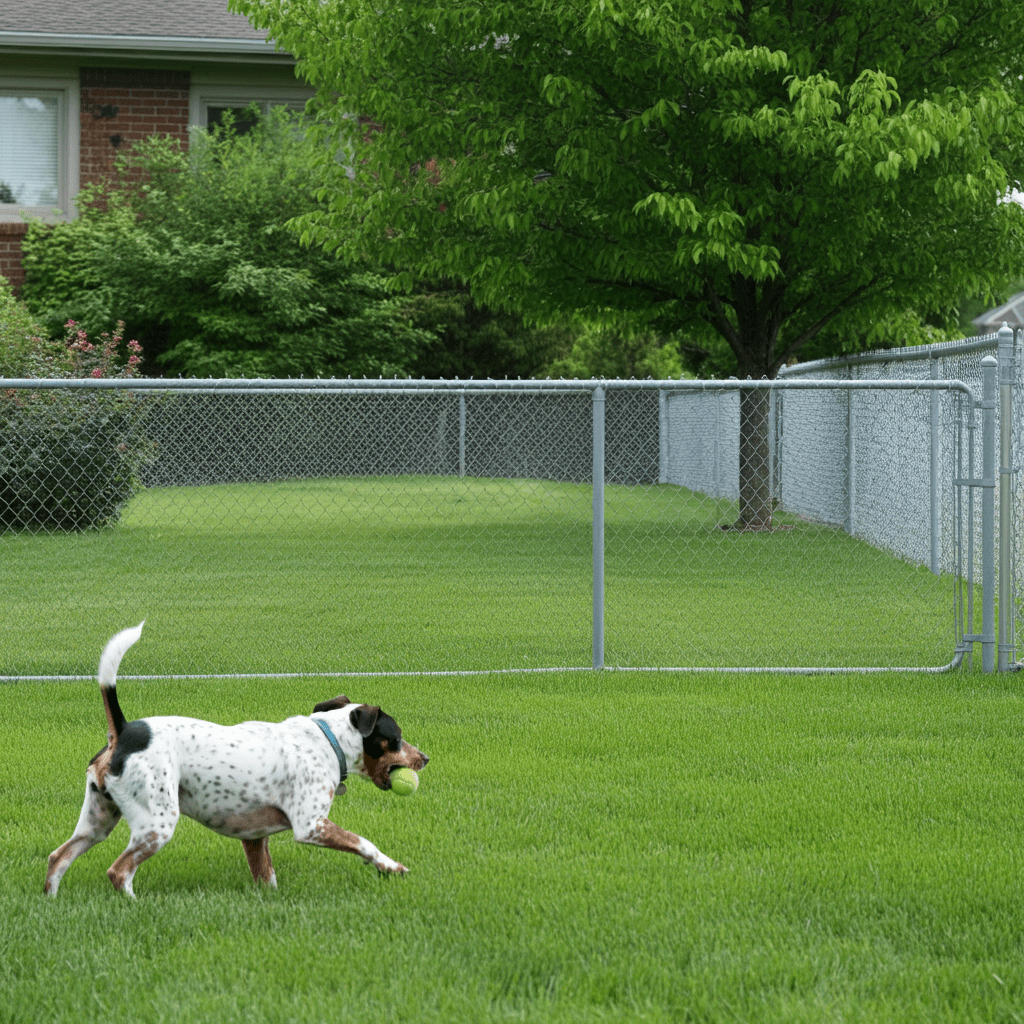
pixel 66 92
pixel 201 98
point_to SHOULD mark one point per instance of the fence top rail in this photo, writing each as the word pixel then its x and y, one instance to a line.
pixel 913 353
pixel 300 385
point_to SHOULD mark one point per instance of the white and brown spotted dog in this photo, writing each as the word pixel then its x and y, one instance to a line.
pixel 245 781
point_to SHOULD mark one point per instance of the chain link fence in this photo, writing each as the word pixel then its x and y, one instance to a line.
pixel 286 527
pixel 956 360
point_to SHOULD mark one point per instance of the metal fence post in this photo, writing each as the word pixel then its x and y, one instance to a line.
pixel 717 456
pixel 989 365
pixel 462 433
pixel 662 436
pixel 1006 374
pixel 778 407
pixel 851 462
pixel 597 646
pixel 934 471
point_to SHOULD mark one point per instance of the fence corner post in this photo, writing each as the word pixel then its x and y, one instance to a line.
pixel 462 434
pixel 1006 380
pixel 662 436
pixel 989 365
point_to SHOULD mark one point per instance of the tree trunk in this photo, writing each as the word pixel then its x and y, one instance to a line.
pixel 752 332
pixel 755 461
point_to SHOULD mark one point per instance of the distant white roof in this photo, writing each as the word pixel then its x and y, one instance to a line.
pixel 1012 312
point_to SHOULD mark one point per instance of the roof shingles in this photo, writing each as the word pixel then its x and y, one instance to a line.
pixel 170 19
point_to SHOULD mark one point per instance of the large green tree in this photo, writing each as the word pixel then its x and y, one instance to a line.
pixel 764 170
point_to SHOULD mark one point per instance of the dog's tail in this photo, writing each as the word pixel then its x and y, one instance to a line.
pixel 110 659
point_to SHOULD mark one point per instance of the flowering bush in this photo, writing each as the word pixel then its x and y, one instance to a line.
pixel 70 459
pixel 89 360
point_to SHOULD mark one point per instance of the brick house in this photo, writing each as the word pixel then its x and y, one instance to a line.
pixel 78 81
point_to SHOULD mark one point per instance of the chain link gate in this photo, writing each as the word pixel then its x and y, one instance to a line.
pixel 312 526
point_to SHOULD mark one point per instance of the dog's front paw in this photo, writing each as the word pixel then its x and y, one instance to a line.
pixel 381 861
pixel 385 865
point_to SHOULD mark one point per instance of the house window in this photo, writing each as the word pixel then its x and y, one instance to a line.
pixel 29 147
pixel 208 106
pixel 36 144
pixel 242 121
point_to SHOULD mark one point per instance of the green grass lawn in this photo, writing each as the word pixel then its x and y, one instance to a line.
pixel 583 847
pixel 617 846
pixel 434 573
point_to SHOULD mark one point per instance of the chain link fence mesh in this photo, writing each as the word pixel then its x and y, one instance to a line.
pixel 959 361
pixel 422 526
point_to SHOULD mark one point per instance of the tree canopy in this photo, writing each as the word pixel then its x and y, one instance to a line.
pixel 758 166
pixel 759 170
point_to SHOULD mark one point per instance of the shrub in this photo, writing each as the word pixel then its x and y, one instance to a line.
pixel 193 250
pixel 599 351
pixel 20 334
pixel 63 279
pixel 70 459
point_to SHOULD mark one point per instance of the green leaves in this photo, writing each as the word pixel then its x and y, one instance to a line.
pixel 765 169
pixel 193 251
pixel 679 210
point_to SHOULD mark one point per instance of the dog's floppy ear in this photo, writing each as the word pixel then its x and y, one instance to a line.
pixel 364 718
pixel 332 705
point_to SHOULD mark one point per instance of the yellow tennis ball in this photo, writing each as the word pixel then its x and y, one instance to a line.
pixel 404 781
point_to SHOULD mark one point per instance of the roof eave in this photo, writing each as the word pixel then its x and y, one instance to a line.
pixel 1012 310
pixel 150 46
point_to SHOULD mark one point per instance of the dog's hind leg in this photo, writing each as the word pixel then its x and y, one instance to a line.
pixel 257 853
pixel 152 823
pixel 141 847
pixel 96 822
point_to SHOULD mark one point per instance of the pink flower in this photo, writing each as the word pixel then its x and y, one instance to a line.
pixel 97 372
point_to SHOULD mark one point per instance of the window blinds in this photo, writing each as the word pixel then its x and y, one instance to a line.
pixel 29 150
